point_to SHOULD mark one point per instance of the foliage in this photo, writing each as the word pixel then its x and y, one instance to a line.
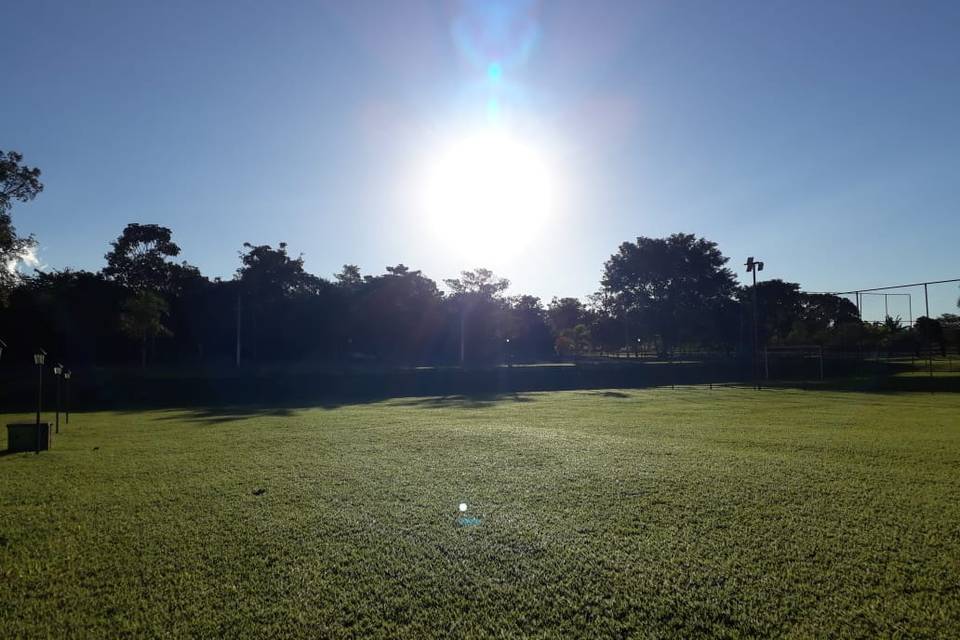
pixel 667 283
pixel 668 293
pixel 574 341
pixel 142 319
pixel 480 283
pixel 20 183
pixel 139 259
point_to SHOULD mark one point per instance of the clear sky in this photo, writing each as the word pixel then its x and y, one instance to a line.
pixel 821 137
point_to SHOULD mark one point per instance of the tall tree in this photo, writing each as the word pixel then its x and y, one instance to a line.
pixel 139 258
pixel 479 282
pixel 21 183
pixel 277 293
pixel 267 273
pixel 142 319
pixel 478 296
pixel 565 313
pixel 668 283
pixel 778 307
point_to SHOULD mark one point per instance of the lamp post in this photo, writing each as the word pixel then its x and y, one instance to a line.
pixel 3 345
pixel 752 267
pixel 38 359
pixel 66 376
pixel 509 359
pixel 57 372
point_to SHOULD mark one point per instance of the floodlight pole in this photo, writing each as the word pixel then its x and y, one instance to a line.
pixel 57 372
pixel 38 359
pixel 238 329
pixel 66 376
pixel 463 324
pixel 752 267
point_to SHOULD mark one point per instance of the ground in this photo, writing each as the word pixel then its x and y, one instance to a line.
pixel 664 513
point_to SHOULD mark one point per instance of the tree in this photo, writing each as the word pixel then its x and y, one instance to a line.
pixel 565 313
pixel 142 319
pixel 778 306
pixel 478 296
pixel 931 331
pixel 276 293
pixel 527 328
pixel 267 273
pixel 575 340
pixel 21 183
pixel 349 277
pixel 139 258
pixel 396 316
pixel 480 283
pixel 668 283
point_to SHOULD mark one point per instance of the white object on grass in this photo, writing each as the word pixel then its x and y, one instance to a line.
pixel 463 507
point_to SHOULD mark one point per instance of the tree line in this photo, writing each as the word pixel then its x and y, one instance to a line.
pixel 657 295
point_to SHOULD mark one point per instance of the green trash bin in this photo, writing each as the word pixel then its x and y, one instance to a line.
pixel 23 436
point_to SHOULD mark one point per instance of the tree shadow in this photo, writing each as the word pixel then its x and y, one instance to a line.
pixel 608 394
pixel 221 415
pixel 468 401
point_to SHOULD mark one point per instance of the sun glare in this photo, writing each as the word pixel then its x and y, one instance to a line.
pixel 487 195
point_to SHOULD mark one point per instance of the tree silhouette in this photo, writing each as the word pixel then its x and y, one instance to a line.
pixel 18 182
pixel 668 283
pixel 139 258
pixel 478 295
pixel 142 319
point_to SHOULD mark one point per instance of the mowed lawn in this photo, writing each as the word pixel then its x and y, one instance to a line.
pixel 661 513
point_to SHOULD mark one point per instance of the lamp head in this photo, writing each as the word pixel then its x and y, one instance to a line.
pixel 57 369
pixel 39 357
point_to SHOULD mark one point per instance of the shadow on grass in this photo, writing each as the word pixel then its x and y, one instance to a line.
pixel 608 394
pixel 213 415
pixel 221 415
pixel 472 401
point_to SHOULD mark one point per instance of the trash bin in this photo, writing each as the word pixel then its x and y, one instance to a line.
pixel 23 436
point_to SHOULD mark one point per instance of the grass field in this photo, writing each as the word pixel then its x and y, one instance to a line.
pixel 665 513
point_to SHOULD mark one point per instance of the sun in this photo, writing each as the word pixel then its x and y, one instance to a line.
pixel 487 195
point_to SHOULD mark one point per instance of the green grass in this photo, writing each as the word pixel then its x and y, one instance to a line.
pixel 664 513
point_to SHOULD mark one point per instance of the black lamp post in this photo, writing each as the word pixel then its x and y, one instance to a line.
pixel 58 371
pixel 66 376
pixel 752 267
pixel 509 354
pixel 38 359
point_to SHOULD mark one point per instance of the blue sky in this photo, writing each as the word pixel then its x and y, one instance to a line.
pixel 821 137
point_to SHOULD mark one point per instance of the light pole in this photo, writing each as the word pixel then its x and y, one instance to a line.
pixel 38 359
pixel 66 376
pixel 509 359
pixel 57 372
pixel 752 267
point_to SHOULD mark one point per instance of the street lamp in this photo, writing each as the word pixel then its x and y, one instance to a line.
pixel 38 359
pixel 58 371
pixel 752 267
pixel 3 345
pixel 509 360
pixel 66 376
